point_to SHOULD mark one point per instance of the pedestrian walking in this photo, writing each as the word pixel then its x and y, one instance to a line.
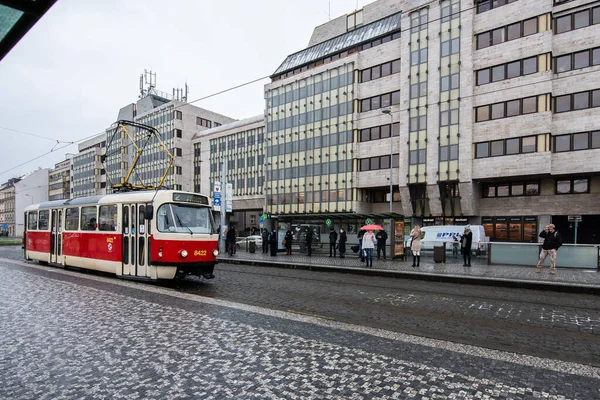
pixel 230 237
pixel 273 242
pixel 552 242
pixel 415 245
pixel 381 239
pixel 332 240
pixel 309 239
pixel 342 243
pixel 368 243
pixel 265 239
pixel 466 240
pixel 361 253
pixel 287 242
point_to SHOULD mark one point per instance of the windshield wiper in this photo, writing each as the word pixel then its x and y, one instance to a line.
pixel 182 224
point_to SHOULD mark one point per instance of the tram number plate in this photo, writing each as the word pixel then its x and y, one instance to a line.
pixel 199 252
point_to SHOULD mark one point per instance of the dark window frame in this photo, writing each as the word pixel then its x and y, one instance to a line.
pixel 572 185
pixel 571 19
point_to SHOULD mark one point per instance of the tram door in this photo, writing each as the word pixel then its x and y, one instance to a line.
pixel 135 239
pixel 56 237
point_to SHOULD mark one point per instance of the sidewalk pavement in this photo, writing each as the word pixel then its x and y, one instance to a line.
pixel 577 280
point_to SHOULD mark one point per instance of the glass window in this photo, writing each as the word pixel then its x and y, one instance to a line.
pixel 581 59
pixel 596 98
pixel 489 190
pixel 530 26
pixel 482 150
pixel 514 31
pixel 108 218
pixel 497 110
pixel 562 143
pixel 581 19
pixel 72 219
pixel 563 24
pixel 89 220
pixel 414 58
pixel 364 164
pixel 483 113
pixel 384 131
pixel 32 221
pixel 445 83
pixel 497 148
pixel 376 72
pixel 596 15
pixel 562 103
pixel 528 144
pixel 365 135
pixel 514 232
pixel 44 220
pixel 516 189
pixel 596 54
pixel 423 89
pixel 386 100
pixel 414 91
pixel 512 146
pixel 395 66
pixel 581 100
pixel 532 189
pixel 513 69
pixel 580 185
pixel 386 69
pixel 384 162
pixel 563 63
pixel 374 163
pixel 365 75
pixel 580 141
pixel 483 40
pixel 497 73
pixel 595 139
pixel 530 105
pixel 375 133
pixel 530 66
pixel 503 190
pixel 483 6
pixel 365 105
pixel 563 187
pixel 184 218
pixel 513 108
pixel 454 152
pixel 455 46
pixel 483 76
pixel 423 56
pixel 396 97
pixel 445 48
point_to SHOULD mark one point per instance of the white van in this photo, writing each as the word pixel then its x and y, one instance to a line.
pixel 437 235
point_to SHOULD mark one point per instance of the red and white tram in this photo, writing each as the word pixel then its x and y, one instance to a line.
pixel 162 234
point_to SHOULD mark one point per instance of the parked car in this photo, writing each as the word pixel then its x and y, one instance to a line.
pixel 243 241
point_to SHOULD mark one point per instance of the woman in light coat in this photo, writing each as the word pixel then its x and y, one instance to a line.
pixel 368 245
pixel 415 245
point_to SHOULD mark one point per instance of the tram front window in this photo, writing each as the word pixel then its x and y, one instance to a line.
pixel 184 219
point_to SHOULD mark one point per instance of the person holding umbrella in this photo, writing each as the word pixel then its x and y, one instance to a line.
pixel 369 241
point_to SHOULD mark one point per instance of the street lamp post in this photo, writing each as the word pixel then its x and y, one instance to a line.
pixel 389 112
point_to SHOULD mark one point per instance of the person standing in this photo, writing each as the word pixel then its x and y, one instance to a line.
pixel 552 242
pixel 253 231
pixel 466 240
pixel 368 244
pixel 231 236
pixel 360 236
pixel 288 242
pixel 332 240
pixel 273 242
pixel 342 243
pixel 309 239
pixel 415 245
pixel 381 239
pixel 265 239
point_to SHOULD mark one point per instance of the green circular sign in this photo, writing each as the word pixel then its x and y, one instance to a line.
pixel 369 221
pixel 328 221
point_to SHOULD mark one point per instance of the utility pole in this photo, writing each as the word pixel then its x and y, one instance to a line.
pixel 222 247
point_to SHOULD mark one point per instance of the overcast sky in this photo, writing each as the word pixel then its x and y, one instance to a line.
pixel 68 77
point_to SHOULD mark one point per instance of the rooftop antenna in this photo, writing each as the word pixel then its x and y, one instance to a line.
pixel 147 83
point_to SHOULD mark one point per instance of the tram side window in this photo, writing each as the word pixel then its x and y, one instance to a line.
pixel 108 218
pixel 89 218
pixel 72 219
pixel 44 220
pixel 32 221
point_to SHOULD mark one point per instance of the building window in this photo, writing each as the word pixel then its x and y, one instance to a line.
pixel 506 147
pixel 510 189
pixel 507 109
pixel 380 71
pixel 577 141
pixel 178 133
pixel 577 101
pixel 572 186
pixel 509 70
pixel 178 114
pixel 507 33
pixel 375 102
pixel 354 20
pixel 577 20
pixel 486 5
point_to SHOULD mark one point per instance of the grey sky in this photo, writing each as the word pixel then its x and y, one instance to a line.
pixel 68 77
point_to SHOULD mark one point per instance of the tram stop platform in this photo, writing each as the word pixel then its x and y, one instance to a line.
pixel 574 280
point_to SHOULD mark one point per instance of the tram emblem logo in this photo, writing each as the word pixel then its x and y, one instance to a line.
pixel 110 247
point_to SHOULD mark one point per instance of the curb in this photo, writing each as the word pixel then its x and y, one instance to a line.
pixel 424 276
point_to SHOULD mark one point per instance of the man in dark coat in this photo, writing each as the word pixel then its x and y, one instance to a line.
pixel 360 235
pixel 265 239
pixel 381 239
pixel 273 242
pixel 342 244
pixel 309 239
pixel 466 240
pixel 552 241
pixel 231 236
pixel 332 240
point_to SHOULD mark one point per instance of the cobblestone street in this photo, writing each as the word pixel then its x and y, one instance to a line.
pixel 71 335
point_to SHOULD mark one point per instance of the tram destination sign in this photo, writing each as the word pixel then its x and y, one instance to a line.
pixel 190 198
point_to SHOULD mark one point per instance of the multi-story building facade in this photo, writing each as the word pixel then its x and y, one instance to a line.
pixel 484 113
pixel 239 146
pixel 30 189
pixel 59 180
pixel 7 207
pixel 88 175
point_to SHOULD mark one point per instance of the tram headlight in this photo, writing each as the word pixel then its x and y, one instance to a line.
pixel 183 253
pixel 215 252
